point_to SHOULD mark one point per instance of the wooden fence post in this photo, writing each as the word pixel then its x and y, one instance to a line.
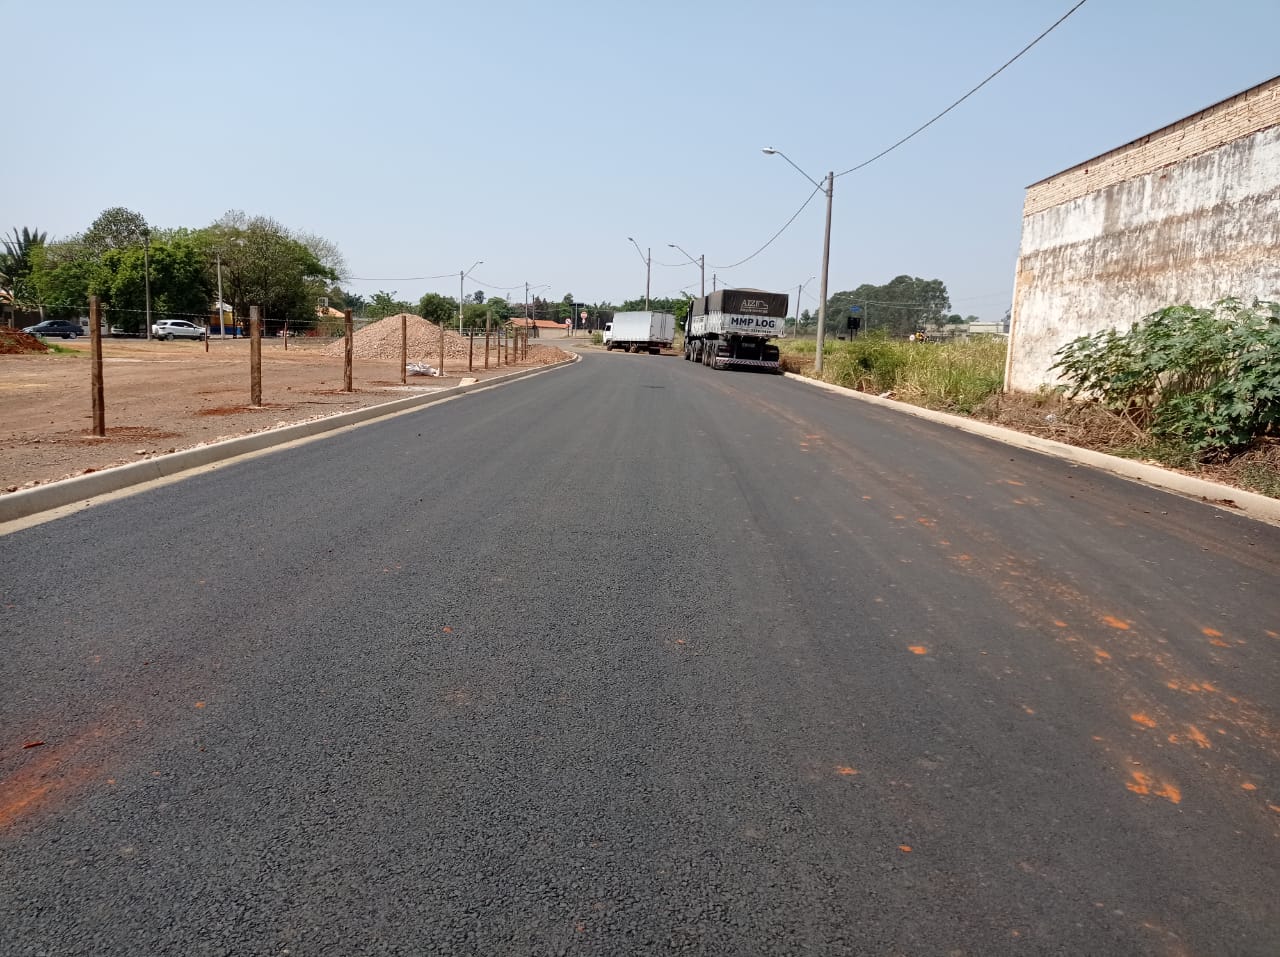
pixel 348 328
pixel 95 344
pixel 255 358
pixel 404 349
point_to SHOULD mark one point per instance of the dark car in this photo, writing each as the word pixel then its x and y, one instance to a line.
pixel 55 327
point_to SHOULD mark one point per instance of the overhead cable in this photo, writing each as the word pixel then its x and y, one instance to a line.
pixel 447 275
pixel 1008 63
pixel 775 235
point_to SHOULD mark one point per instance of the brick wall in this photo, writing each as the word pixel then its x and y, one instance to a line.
pixel 1249 112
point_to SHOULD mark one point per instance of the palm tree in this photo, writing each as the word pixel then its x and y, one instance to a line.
pixel 15 264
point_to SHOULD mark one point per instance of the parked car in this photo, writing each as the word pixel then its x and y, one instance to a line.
pixel 55 327
pixel 177 329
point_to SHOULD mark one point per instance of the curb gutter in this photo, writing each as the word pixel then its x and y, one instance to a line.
pixel 42 498
pixel 1249 504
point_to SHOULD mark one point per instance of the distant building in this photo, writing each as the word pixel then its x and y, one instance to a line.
pixel 1187 214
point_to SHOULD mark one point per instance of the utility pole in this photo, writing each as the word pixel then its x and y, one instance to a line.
pixel 702 266
pixel 648 268
pixel 146 273
pixel 222 332
pixel 798 292
pixel 826 265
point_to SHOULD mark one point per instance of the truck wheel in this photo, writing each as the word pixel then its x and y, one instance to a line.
pixel 608 347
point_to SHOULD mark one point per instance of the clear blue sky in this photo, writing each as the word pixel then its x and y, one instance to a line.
pixel 421 137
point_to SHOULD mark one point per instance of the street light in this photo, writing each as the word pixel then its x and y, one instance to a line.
pixel 463 274
pixel 700 262
pixel 222 306
pixel 146 273
pixel 829 188
pixel 527 290
pixel 648 267
pixel 799 293
pixel 222 330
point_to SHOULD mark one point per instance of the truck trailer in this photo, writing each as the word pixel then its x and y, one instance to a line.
pixel 640 332
pixel 731 329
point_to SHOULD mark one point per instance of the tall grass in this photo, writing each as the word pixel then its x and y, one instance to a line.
pixel 955 376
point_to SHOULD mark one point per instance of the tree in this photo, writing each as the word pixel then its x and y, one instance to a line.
pixel 16 264
pixel 180 282
pixel 677 307
pixel 265 265
pixel 899 307
pixel 498 308
pixel 478 296
pixel 385 304
pixel 62 276
pixel 116 228
pixel 439 309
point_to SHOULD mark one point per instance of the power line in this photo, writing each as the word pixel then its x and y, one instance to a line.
pixel 499 288
pixel 778 233
pixel 1008 63
pixel 447 275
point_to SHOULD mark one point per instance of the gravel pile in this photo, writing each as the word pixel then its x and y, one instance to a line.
pixel 381 340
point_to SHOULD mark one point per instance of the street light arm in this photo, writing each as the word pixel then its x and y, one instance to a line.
pixel 638 250
pixel 770 151
pixel 686 255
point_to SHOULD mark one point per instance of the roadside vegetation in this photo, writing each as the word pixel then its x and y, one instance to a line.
pixel 1193 389
pixel 953 376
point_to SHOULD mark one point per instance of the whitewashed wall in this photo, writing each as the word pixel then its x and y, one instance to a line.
pixel 1189 214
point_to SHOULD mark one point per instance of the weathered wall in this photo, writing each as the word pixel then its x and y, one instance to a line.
pixel 1190 213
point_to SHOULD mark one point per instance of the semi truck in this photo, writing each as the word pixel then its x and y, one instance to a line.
pixel 640 332
pixel 731 329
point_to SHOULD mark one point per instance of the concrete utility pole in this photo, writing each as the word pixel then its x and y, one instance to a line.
pixel 829 189
pixel 146 274
pixel 700 262
pixel 826 266
pixel 462 274
pixel 222 332
pixel 648 268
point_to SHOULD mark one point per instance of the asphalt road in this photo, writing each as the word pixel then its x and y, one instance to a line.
pixel 638 657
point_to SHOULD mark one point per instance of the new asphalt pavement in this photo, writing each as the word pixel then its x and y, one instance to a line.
pixel 638 657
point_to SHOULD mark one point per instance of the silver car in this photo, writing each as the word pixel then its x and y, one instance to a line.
pixel 177 329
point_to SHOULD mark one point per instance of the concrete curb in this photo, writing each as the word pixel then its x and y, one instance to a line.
pixel 1250 504
pixel 42 498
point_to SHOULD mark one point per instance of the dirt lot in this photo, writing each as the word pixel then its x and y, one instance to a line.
pixel 163 396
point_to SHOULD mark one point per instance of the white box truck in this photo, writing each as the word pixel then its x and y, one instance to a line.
pixel 640 331
pixel 731 329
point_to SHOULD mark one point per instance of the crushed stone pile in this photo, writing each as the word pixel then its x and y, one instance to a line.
pixel 381 340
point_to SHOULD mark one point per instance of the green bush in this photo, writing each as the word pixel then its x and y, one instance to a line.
pixel 941 375
pixel 1205 379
